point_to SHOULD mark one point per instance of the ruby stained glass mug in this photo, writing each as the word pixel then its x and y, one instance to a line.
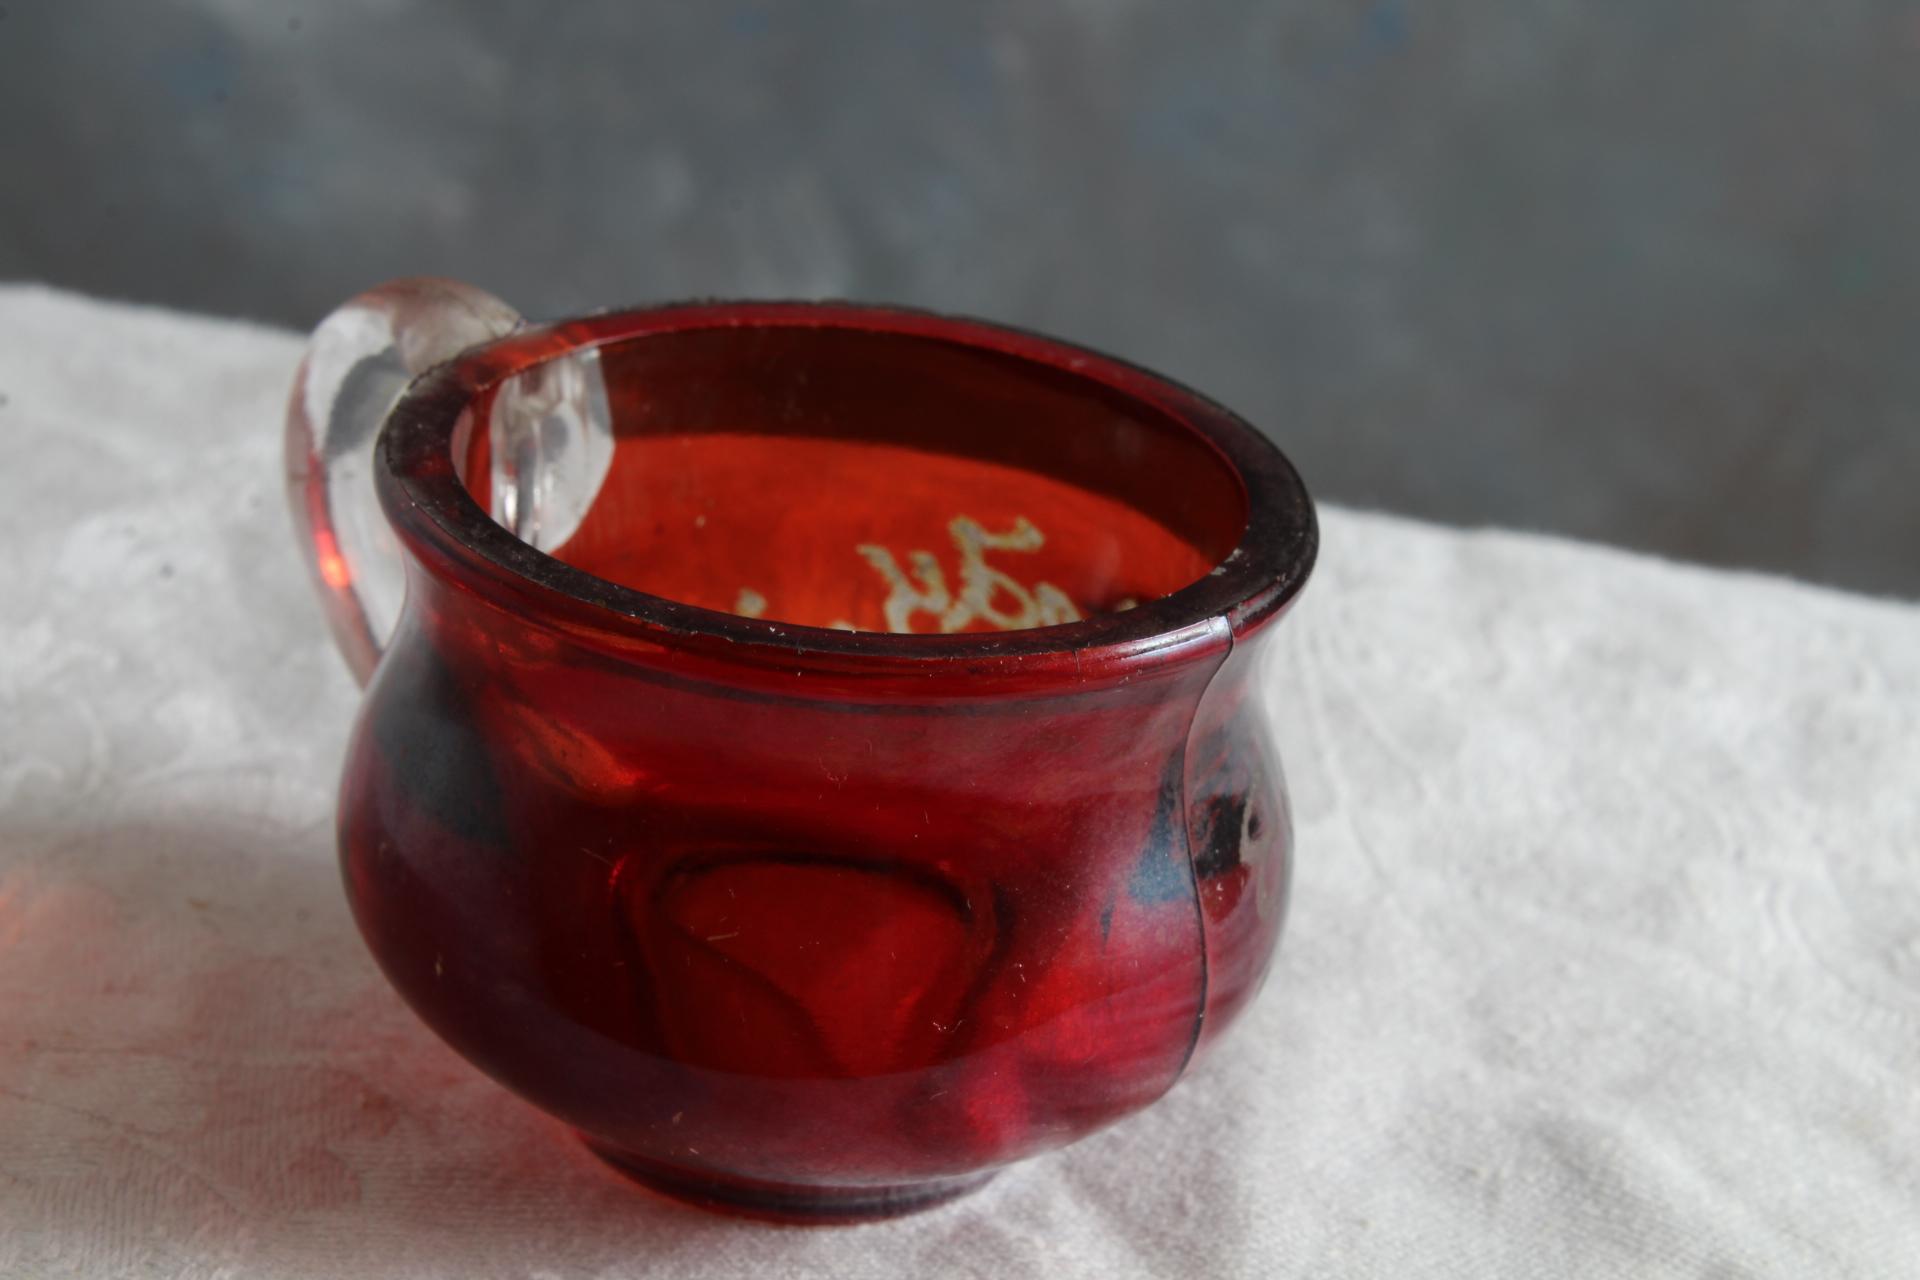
pixel 814 751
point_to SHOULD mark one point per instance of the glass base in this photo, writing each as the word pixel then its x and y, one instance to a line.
pixel 786 1202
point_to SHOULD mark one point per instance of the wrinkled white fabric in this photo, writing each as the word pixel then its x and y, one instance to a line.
pixel 1604 957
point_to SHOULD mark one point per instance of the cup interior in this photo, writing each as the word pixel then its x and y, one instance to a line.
pixel 848 478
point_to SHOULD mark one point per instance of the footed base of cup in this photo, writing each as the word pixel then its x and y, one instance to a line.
pixel 785 1202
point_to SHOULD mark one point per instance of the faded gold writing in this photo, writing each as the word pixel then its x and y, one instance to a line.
pixel 986 593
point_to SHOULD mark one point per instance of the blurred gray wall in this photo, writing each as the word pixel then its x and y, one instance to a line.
pixel 1643 270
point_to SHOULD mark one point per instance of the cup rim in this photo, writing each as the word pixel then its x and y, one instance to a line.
pixel 431 509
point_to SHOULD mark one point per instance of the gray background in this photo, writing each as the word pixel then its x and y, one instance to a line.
pixel 1644 270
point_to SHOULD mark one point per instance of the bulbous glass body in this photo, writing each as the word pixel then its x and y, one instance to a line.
pixel 857 778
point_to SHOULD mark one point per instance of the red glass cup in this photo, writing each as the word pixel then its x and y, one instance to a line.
pixel 818 754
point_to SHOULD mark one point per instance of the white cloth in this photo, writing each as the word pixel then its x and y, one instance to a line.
pixel 1604 957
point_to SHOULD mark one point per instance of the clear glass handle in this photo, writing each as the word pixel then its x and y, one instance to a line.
pixel 552 443
pixel 358 361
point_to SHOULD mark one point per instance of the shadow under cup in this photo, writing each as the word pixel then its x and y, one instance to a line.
pixel 785 914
